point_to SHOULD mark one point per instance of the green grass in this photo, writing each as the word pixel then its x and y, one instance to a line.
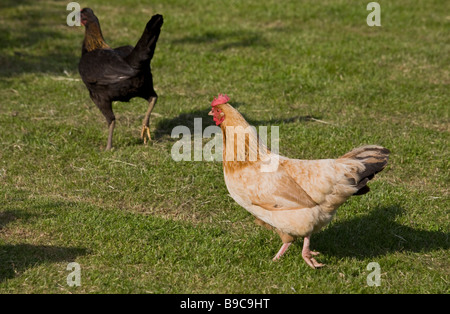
pixel 136 221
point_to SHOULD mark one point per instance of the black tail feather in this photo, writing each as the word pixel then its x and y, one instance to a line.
pixel 145 47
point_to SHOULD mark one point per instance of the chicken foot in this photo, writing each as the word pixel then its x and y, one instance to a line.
pixel 307 254
pixel 145 132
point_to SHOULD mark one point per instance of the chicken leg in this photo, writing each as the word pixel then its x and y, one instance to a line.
pixel 287 241
pixel 307 254
pixel 106 109
pixel 110 136
pixel 282 250
pixel 145 132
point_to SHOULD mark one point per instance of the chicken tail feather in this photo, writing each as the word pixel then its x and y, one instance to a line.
pixel 145 47
pixel 374 158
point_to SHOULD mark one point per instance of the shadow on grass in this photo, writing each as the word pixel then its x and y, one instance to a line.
pixel 16 258
pixel 14 3
pixel 19 257
pixel 223 40
pixel 27 30
pixel 164 126
pixel 7 217
pixel 377 234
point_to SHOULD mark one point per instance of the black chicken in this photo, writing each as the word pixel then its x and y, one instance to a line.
pixel 118 74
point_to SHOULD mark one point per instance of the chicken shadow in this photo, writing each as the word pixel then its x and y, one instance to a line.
pixel 14 3
pixel 165 126
pixel 16 258
pixel 29 26
pixel 223 40
pixel 377 234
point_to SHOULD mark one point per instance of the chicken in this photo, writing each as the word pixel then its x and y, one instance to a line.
pixel 118 74
pixel 295 197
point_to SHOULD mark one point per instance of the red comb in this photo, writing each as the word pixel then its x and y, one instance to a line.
pixel 221 99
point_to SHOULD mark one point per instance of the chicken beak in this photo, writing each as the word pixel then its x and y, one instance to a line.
pixel 210 113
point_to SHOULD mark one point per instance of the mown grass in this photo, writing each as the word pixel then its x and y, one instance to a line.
pixel 136 221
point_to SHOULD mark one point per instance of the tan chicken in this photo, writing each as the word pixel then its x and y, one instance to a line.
pixel 295 197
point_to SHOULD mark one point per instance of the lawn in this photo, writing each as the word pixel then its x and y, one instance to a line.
pixel 136 221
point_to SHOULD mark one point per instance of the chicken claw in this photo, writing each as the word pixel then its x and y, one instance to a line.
pixel 145 133
pixel 311 261
pixel 145 123
pixel 307 255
